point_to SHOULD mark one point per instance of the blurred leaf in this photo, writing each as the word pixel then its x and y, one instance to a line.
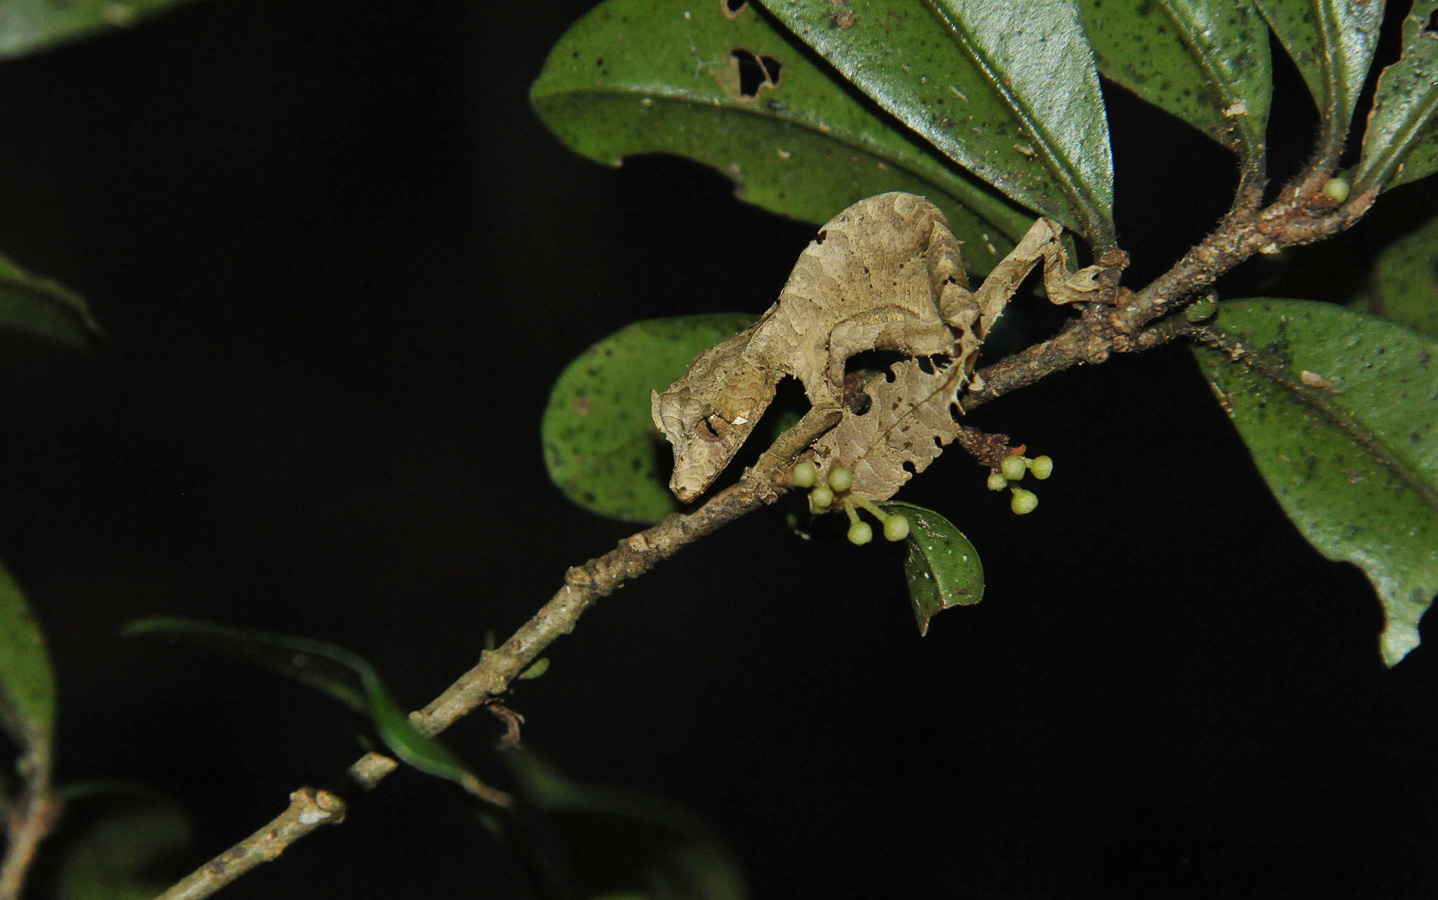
pixel 600 444
pixel 116 843
pixel 942 567
pixel 27 684
pixel 27 26
pixel 1401 143
pixel 664 76
pixel 1007 90
pixel 1332 43
pixel 1337 409
pixel 343 675
pixel 40 307
pixel 616 843
pixel 1205 62
pixel 1404 282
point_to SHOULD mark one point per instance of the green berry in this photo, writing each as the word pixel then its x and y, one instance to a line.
pixel 821 497
pixel 1336 189
pixel 997 481
pixel 896 528
pixel 841 479
pixel 1024 502
pixel 1013 467
pixel 805 474
pixel 1042 467
pixel 860 533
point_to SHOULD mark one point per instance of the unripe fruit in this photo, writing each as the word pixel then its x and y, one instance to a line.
pixel 821 497
pixel 860 533
pixel 1336 189
pixel 841 479
pixel 1042 467
pixel 1024 502
pixel 997 481
pixel 1013 467
pixel 805 474
pixel 896 528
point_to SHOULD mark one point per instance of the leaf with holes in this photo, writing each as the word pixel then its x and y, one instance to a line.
pixel 1337 410
pixel 1007 90
pixel 722 84
pixel 334 670
pixel 942 568
pixel 1206 63
pixel 27 683
pixel 1332 43
pixel 28 26
pixel 1401 143
pixel 600 444
pixel 42 308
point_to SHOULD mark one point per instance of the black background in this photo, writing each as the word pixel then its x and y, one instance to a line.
pixel 340 264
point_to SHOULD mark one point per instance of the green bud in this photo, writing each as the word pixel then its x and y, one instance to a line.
pixel 896 528
pixel 1013 467
pixel 538 668
pixel 1336 189
pixel 860 533
pixel 997 481
pixel 841 479
pixel 822 498
pixel 805 474
pixel 1042 467
pixel 1024 502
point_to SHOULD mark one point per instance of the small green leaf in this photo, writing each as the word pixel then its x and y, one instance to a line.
pixel 27 26
pixel 942 567
pixel 600 444
pixel 1206 63
pixel 1332 43
pixel 27 684
pixel 42 308
pixel 741 95
pixel 116 843
pixel 1403 284
pixel 1401 143
pixel 1337 409
pixel 343 675
pixel 619 843
pixel 1007 90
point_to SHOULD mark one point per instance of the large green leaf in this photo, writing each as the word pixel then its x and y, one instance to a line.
pixel 1204 61
pixel 27 26
pixel 1332 43
pixel 1401 143
pixel 1337 409
pixel 27 684
pixel 1008 90
pixel 334 670
pixel 942 568
pixel 42 308
pixel 600 444
pixel 116 842
pixel 741 95
pixel 1403 284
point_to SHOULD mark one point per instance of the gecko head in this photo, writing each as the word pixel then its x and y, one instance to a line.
pixel 707 416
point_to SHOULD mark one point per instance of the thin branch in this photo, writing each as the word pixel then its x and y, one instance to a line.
pixel 583 586
pixel 30 818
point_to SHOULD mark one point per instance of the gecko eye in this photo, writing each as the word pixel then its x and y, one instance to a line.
pixel 712 428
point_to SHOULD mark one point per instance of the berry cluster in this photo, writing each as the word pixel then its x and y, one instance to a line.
pixel 1012 470
pixel 837 487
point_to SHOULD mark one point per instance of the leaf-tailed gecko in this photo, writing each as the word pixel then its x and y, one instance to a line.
pixel 884 274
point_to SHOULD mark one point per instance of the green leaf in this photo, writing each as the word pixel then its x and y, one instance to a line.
pixel 343 675
pixel 619 843
pixel 27 684
pixel 942 567
pixel 42 308
pixel 27 26
pixel 1401 143
pixel 1403 284
pixel 1332 43
pixel 1337 409
pixel 116 843
pixel 664 76
pixel 1205 62
pixel 600 444
pixel 1007 90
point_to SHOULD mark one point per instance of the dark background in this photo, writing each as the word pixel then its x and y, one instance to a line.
pixel 340 264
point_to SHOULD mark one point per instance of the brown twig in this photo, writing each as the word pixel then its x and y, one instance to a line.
pixel 30 818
